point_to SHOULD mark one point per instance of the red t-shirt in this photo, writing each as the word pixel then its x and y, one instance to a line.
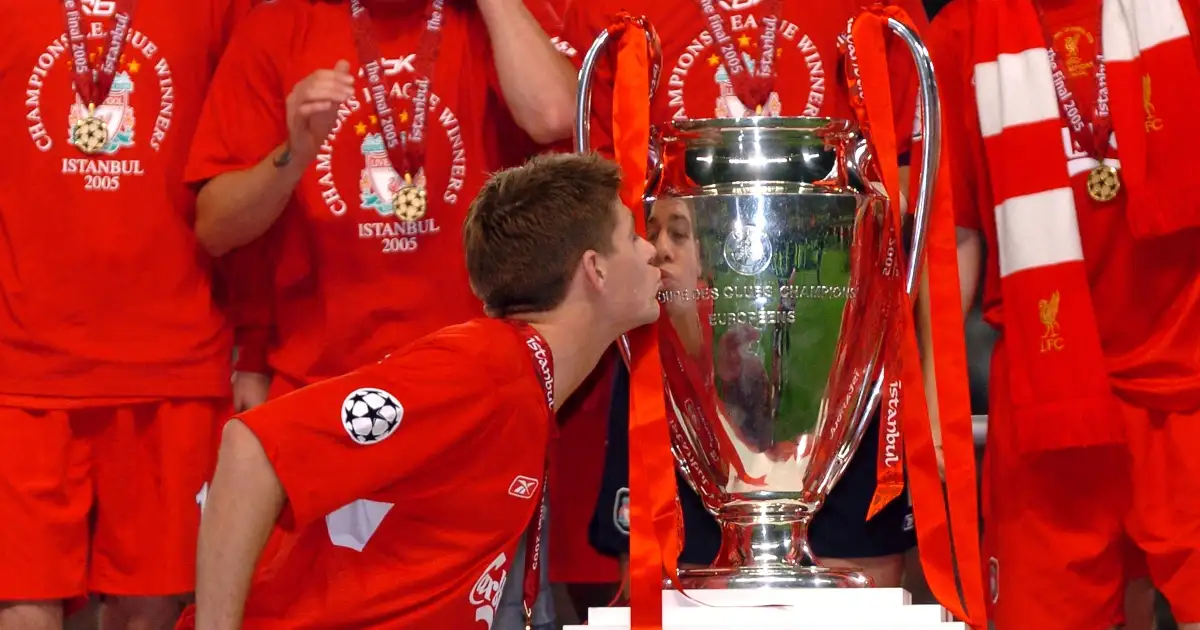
pixel 1146 293
pixel 409 484
pixel 349 282
pixel 693 82
pixel 105 291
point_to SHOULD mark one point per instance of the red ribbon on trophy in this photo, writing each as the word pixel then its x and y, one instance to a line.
pixel 655 524
pixel 949 547
pixel 890 465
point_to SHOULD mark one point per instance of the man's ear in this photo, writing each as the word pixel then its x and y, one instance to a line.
pixel 591 265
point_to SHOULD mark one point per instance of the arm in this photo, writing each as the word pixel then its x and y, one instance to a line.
pixel 243 503
pixel 537 82
pixel 970 261
pixel 259 130
pixel 237 207
pixel 249 277
pixel 928 373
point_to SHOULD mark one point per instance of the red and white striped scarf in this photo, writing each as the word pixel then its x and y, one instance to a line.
pixel 1060 391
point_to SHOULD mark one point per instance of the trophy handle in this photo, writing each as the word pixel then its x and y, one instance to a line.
pixel 587 72
pixel 583 105
pixel 929 108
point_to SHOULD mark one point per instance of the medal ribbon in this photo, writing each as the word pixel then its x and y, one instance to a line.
pixel 94 87
pixel 753 87
pixel 543 367
pixel 405 151
pixel 1095 143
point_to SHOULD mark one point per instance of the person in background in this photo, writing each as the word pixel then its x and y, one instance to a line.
pixel 459 424
pixel 482 108
pixel 1069 127
pixel 339 149
pixel 695 83
pixel 114 359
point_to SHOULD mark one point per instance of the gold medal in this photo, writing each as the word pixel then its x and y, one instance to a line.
pixel 1103 183
pixel 409 202
pixel 90 133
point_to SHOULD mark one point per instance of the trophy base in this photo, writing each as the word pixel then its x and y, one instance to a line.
pixel 772 576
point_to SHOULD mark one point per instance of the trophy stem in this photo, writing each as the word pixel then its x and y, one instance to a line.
pixel 766 546
pixel 759 536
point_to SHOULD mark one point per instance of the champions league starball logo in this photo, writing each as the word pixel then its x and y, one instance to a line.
pixel 116 112
pixel 370 415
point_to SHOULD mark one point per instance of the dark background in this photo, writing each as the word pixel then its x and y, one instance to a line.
pixel 933 6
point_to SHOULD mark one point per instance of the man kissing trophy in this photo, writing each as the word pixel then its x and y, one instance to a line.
pixel 794 320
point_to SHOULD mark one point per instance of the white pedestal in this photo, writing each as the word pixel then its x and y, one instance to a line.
pixel 786 609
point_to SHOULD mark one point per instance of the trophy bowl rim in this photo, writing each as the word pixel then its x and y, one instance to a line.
pixel 766 123
pixel 755 189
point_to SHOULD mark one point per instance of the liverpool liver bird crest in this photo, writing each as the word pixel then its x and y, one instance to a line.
pixel 1048 309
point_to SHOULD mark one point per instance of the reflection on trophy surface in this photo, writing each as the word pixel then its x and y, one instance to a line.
pixel 777 254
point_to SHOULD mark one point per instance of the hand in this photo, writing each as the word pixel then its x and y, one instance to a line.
pixel 312 109
pixel 249 390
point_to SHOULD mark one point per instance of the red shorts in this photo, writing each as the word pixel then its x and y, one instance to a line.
pixel 103 500
pixel 1065 531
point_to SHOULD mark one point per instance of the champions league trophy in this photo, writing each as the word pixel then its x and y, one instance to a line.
pixel 773 327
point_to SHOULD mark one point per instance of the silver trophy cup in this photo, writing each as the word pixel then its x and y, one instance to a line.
pixel 772 336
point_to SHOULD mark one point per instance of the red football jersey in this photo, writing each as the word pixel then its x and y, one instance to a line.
pixel 105 291
pixel 1146 294
pixel 694 84
pixel 409 484
pixel 348 281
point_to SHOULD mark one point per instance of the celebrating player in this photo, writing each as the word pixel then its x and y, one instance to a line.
pixel 800 42
pixel 1070 121
pixel 114 362
pixel 378 121
pixel 401 490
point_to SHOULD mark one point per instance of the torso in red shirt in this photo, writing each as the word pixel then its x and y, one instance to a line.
pixel 105 291
pixel 1146 293
pixel 352 281
pixel 694 83
pixel 417 527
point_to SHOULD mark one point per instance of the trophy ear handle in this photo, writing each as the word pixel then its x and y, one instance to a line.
pixel 929 117
pixel 583 104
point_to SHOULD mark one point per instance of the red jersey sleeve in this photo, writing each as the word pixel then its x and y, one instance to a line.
pixel 226 14
pixel 245 112
pixel 960 122
pixel 354 436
